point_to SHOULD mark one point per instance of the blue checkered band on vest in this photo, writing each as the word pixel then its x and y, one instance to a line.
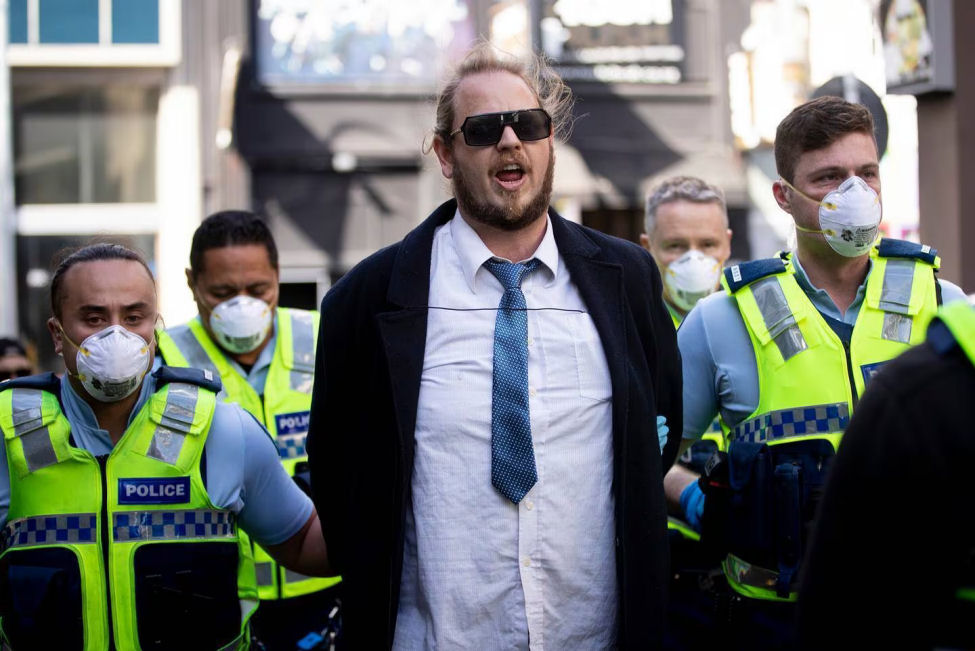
pixel 50 529
pixel 173 525
pixel 798 421
pixel 291 446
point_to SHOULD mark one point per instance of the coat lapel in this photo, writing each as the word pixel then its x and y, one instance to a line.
pixel 600 284
pixel 403 328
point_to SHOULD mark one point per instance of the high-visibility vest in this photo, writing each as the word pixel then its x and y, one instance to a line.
pixel 127 548
pixel 810 379
pixel 283 409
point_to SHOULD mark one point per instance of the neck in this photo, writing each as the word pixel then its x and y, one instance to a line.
pixel 838 276
pixel 111 416
pixel 511 245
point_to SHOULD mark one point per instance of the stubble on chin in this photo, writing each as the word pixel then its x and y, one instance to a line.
pixel 506 216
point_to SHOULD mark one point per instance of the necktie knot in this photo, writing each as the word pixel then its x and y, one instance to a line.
pixel 510 274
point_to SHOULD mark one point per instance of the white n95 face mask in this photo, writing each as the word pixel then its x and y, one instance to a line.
pixel 241 323
pixel 849 217
pixel 111 363
pixel 690 278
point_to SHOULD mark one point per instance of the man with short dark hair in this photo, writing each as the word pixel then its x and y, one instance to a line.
pixel 122 492
pixel 489 408
pixel 784 353
pixel 264 355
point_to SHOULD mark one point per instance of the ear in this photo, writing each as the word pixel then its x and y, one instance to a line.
pixel 445 155
pixel 645 241
pixel 55 331
pixel 782 196
pixel 189 279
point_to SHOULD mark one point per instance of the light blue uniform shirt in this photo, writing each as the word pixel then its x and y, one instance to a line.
pixel 720 371
pixel 244 472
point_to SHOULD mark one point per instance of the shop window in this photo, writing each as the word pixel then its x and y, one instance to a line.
pixel 85 145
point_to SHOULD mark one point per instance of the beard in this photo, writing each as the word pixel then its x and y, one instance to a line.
pixel 507 216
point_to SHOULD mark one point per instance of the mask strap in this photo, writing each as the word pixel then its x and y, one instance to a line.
pixel 826 204
pixel 65 334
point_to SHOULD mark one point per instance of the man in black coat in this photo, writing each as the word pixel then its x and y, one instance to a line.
pixel 491 451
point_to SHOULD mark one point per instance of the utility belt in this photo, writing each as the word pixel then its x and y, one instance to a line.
pixel 761 502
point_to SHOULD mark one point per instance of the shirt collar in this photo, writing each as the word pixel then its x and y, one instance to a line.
pixel 820 297
pixel 473 253
pixel 82 418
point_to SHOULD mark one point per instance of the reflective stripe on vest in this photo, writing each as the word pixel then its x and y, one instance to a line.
pixel 798 421
pixel 778 317
pixel 173 525
pixel 30 429
pixel 76 528
pixel 175 423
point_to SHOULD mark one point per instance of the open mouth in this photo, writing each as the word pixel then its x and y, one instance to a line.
pixel 510 176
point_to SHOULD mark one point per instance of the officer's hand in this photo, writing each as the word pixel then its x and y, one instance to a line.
pixel 692 504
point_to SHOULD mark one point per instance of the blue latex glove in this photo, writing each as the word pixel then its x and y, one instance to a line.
pixel 692 504
pixel 662 431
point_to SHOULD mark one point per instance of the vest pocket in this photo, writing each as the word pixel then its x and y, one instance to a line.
pixel 40 599
pixel 186 595
pixel 775 490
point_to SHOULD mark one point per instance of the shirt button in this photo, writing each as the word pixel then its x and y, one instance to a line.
pixel 530 341
pixel 532 392
pixel 529 505
pixel 527 562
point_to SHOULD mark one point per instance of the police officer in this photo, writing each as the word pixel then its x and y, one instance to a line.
pixel 265 357
pixel 892 560
pixel 783 354
pixel 688 236
pixel 122 491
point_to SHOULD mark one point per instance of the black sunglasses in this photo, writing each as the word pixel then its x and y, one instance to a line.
pixel 486 129
pixel 17 372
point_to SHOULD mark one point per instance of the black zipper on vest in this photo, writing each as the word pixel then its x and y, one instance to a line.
pixel 106 548
pixel 849 373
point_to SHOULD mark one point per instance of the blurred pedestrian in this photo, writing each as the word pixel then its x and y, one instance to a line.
pixel 264 355
pixel 783 355
pixel 892 560
pixel 484 423
pixel 122 491
pixel 14 361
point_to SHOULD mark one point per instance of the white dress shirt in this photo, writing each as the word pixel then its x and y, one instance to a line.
pixel 480 572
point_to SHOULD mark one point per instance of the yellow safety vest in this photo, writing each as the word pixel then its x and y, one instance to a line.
pixel 126 548
pixel 809 382
pixel 284 410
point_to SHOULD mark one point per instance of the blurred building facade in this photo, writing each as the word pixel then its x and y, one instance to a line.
pixel 133 119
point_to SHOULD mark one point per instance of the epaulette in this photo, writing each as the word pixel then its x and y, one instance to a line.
pixel 941 338
pixel 200 377
pixel 45 382
pixel 891 248
pixel 745 273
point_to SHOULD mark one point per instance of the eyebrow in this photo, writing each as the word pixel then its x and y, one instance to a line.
pixel 140 305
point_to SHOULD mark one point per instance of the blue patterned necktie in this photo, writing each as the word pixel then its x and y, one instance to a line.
pixel 512 455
